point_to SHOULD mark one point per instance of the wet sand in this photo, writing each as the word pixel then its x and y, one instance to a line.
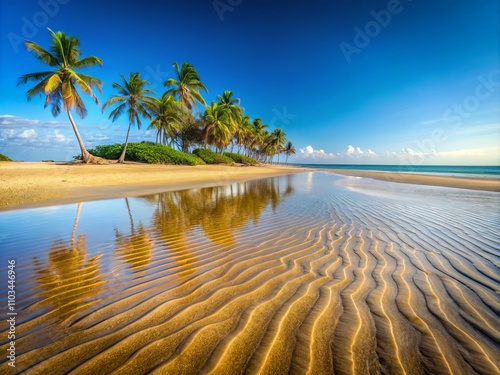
pixel 486 184
pixel 34 184
pixel 297 274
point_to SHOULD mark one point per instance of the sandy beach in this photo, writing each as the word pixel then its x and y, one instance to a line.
pixel 31 184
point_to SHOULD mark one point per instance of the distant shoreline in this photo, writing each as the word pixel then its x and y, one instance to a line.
pixel 482 171
pixel 460 182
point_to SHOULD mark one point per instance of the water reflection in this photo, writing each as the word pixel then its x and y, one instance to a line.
pixel 218 211
pixel 135 248
pixel 182 224
pixel 69 279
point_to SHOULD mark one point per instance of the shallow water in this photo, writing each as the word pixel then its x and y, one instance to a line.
pixel 309 273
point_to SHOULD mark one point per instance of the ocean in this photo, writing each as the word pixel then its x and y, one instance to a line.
pixel 453 170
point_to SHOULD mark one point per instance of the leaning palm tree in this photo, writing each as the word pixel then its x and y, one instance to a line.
pixel 187 86
pixel 60 85
pixel 166 118
pixel 232 105
pixel 133 98
pixel 219 127
pixel 289 150
pixel 278 140
pixel 242 132
pixel 258 137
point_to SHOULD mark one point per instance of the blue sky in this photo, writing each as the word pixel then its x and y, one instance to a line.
pixel 349 81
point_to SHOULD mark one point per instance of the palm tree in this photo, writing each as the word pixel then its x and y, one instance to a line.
pixel 187 86
pixel 60 85
pixel 258 137
pixel 166 118
pixel 227 102
pixel 289 150
pixel 242 132
pixel 277 141
pixel 133 98
pixel 219 126
pixel 191 131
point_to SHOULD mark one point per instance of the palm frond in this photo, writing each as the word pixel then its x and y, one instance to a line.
pixel 41 53
pixel 171 82
pixel 114 100
pixel 117 112
pixel 91 81
pixel 58 47
pixel 197 96
pixel 33 77
pixel 84 85
pixel 79 104
pixel 53 83
pixel 55 100
pixel 38 89
pixel 87 62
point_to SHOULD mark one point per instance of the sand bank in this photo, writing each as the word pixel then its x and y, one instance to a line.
pixel 30 184
pixel 486 184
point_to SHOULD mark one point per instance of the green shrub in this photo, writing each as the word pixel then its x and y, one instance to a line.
pixel 111 152
pixel 210 157
pixel 239 158
pixel 147 152
pixel 4 158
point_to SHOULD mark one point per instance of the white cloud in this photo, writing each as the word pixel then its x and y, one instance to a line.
pixel 310 152
pixel 57 138
pixel 28 134
pixel 10 120
pixel 357 154
pixel 7 134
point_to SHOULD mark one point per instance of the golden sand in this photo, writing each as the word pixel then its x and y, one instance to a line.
pixel 24 184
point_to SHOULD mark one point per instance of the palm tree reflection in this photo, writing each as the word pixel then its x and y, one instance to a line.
pixel 135 248
pixel 69 280
pixel 218 211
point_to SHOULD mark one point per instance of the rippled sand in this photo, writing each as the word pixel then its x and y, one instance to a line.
pixel 295 274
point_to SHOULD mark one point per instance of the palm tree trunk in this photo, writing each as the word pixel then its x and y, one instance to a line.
pixel 130 216
pixel 122 156
pixel 86 156
pixel 75 224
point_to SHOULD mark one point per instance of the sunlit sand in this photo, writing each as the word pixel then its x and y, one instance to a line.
pixel 307 273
